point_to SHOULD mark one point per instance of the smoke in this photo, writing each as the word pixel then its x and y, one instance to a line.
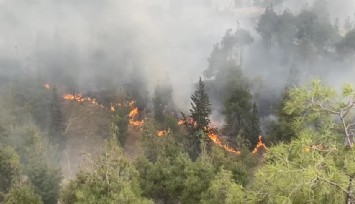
pixel 96 44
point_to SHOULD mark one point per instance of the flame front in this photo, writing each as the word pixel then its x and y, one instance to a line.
pixel 47 86
pixel 260 145
pixel 133 114
pixel 211 134
pixel 80 98
pixel 215 138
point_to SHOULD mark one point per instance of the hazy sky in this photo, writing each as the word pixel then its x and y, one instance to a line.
pixel 165 39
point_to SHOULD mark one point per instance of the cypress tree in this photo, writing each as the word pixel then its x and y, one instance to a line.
pixel 198 121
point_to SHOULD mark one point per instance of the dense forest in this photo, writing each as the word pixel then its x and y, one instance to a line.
pixel 270 118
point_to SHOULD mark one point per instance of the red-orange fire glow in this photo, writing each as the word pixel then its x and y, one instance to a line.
pixel 181 122
pixel 79 98
pixel 260 146
pixel 215 138
pixel 162 133
pixel 212 135
pixel 133 114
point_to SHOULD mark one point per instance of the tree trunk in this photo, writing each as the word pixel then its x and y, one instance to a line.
pixel 349 195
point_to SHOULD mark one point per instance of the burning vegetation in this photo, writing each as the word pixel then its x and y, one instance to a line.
pixel 133 115
pixel 211 134
pixel 134 121
pixel 260 146
pixel 163 133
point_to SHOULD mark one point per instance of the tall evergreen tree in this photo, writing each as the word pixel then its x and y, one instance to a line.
pixel 241 116
pixel 281 130
pixel 201 107
pixel 198 121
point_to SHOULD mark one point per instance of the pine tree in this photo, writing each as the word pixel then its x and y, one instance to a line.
pixel 241 116
pixel 201 108
pixel 281 130
pixel 198 121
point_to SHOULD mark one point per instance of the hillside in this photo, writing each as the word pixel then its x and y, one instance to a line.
pixel 87 125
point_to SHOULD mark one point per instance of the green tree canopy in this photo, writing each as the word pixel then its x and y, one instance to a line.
pixel 198 121
pixel 112 179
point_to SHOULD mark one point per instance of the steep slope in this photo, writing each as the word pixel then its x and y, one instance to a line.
pixel 87 125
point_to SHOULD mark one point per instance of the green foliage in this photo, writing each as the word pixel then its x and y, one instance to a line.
pixel 154 146
pixel 164 179
pixel 239 165
pixel 199 176
pixel 198 121
pixel 44 176
pixel 22 194
pixel 281 130
pixel 162 167
pixel 242 116
pixel 223 189
pixel 304 171
pixel 112 179
pixel 200 108
pixel 318 103
pixel 121 121
pixel 9 167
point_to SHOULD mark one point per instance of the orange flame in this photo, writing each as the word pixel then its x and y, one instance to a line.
pixel 162 133
pixel 80 99
pixel 213 136
pixel 132 115
pixel 260 145
pixel 181 122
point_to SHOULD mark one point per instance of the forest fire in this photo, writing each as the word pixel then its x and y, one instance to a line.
pixel 260 146
pixel 181 122
pixel 79 98
pixel 162 133
pixel 211 134
pixel 133 115
pixel 215 138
